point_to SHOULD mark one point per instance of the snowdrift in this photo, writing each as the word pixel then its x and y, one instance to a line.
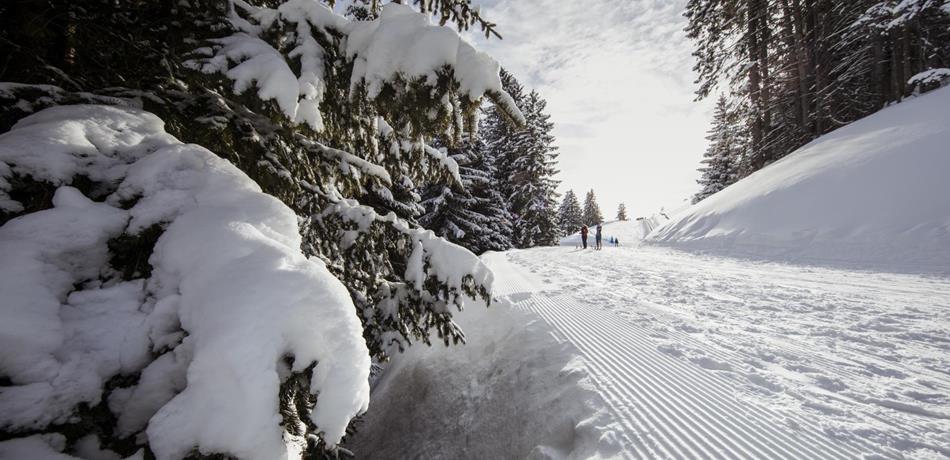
pixel 629 232
pixel 874 194
pixel 512 391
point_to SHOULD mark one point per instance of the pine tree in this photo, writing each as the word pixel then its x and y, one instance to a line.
pixel 721 160
pixel 363 10
pixel 796 70
pixel 533 197
pixel 592 215
pixel 622 212
pixel 525 160
pixel 347 152
pixel 473 213
pixel 570 217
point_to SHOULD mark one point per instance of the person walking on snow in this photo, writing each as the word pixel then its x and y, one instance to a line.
pixel 600 244
pixel 584 235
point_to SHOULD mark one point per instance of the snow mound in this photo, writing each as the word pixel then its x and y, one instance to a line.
pixel 513 391
pixel 230 309
pixel 871 194
pixel 629 232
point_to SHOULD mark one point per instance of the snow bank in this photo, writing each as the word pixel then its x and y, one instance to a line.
pixel 513 391
pixel 230 297
pixel 871 194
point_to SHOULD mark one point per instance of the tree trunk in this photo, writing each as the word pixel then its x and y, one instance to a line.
pixel 755 85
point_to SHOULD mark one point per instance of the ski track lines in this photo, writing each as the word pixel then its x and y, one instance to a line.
pixel 847 366
pixel 669 408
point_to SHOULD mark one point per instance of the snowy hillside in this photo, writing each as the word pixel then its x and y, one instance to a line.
pixel 874 193
pixel 627 231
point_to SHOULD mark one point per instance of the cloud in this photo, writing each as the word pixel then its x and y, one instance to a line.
pixel 618 80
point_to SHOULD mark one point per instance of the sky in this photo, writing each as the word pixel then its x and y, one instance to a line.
pixel 617 76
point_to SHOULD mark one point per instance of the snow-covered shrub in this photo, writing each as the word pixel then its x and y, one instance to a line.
pixel 231 307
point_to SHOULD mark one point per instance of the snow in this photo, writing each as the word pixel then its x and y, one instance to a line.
pixel 250 61
pixel 447 162
pixel 871 194
pixel 259 64
pixel 431 256
pixel 227 270
pixel 36 447
pixel 650 352
pixel 59 354
pixel 513 390
pixel 709 357
pixel 401 43
pixel 50 447
pixel 929 76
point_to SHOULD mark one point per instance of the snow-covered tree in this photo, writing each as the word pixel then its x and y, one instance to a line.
pixel 723 154
pixel 794 70
pixel 525 160
pixel 304 220
pixel 569 215
pixel 471 214
pixel 363 10
pixel 592 215
pixel 622 212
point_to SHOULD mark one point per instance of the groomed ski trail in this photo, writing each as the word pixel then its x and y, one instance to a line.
pixel 668 407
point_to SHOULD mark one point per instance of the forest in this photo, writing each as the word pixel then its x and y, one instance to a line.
pixel 785 72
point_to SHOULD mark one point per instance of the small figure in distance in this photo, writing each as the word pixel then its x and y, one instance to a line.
pixel 584 236
pixel 600 243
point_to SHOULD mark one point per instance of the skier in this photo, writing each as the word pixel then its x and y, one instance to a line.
pixel 584 235
pixel 617 242
pixel 600 244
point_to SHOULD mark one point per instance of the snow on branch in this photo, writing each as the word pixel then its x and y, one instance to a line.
pixel 403 43
pixel 929 79
pixel 400 45
pixel 229 310
pixel 431 275
pixel 447 162
pixel 431 256
pixel 349 164
pixel 248 59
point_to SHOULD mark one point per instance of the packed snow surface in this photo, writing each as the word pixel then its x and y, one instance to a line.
pixel 514 390
pixel 708 357
pixel 687 356
pixel 229 298
pixel 873 193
